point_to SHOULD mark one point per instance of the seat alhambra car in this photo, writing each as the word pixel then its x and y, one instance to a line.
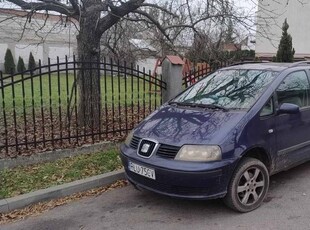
pixel 225 135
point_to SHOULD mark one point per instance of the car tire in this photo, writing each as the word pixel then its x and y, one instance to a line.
pixel 248 186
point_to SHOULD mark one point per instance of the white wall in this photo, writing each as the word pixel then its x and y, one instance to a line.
pixel 43 43
pixel 3 48
pixel 298 18
pixel 61 52
pixel 148 64
pixel 23 50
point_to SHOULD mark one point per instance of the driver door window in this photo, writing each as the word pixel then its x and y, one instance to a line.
pixel 295 89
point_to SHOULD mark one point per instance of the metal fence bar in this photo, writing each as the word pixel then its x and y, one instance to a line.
pixel 126 108
pixel 42 104
pixel 138 90
pixel 75 101
pixel 161 89
pixel 82 81
pixel 68 126
pixel 93 103
pixel 4 115
pixel 50 101
pixel 100 99
pixel 113 95
pixel 14 114
pixel 119 97
pixel 33 114
pixel 150 92
pixel 59 102
pixel 144 93
pixel 24 111
pixel 156 90
pixel 132 91
pixel 106 97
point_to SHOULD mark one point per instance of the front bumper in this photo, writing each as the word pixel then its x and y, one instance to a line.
pixel 190 180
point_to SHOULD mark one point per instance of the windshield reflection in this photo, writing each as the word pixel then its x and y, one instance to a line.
pixel 231 89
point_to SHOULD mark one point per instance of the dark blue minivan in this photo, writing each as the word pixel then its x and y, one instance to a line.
pixel 225 135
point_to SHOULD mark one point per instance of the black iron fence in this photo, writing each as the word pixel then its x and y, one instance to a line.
pixel 71 103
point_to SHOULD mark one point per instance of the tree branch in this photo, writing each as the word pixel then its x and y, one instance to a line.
pixel 198 21
pixel 156 23
pixel 117 12
pixel 159 8
pixel 51 5
pixel 75 6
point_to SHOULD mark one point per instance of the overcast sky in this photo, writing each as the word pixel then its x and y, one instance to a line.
pixel 246 3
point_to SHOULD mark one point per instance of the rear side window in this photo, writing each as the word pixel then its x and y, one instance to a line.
pixel 295 89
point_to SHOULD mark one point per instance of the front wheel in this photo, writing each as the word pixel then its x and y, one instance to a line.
pixel 248 186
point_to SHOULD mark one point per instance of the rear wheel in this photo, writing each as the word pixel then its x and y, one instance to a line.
pixel 248 186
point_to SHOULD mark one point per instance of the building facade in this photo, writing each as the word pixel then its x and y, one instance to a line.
pixel 270 18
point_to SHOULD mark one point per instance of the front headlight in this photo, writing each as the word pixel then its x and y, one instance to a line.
pixel 202 153
pixel 129 138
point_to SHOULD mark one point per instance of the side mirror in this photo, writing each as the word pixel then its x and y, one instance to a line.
pixel 288 108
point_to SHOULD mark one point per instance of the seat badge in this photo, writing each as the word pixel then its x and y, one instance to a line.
pixel 145 148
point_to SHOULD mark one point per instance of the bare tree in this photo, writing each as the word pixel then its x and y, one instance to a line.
pixel 121 43
pixel 169 20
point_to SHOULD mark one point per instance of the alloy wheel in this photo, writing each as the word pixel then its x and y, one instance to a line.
pixel 251 186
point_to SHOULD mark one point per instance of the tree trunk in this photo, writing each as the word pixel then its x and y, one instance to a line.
pixel 88 79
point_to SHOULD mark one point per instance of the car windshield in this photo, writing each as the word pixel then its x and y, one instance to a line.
pixel 227 89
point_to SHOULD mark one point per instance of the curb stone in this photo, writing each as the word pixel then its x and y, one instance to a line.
pixel 18 202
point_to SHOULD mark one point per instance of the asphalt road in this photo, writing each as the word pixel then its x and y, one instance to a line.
pixel 286 207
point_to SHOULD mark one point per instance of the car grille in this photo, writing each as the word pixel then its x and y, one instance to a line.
pixel 135 142
pixel 166 151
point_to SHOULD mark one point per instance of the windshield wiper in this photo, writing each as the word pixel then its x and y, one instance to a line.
pixel 212 106
pixel 198 105
pixel 186 104
pixel 173 103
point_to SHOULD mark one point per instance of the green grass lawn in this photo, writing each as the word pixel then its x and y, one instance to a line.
pixel 57 90
pixel 26 179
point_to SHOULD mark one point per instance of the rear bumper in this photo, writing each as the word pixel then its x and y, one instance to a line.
pixel 204 181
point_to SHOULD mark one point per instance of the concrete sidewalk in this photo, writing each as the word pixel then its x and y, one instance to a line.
pixel 18 202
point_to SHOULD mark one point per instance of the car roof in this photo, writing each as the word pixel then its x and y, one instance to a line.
pixel 272 66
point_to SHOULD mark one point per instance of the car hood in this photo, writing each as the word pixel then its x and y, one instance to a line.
pixel 179 126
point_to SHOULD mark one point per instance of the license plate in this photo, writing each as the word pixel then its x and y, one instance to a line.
pixel 141 170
